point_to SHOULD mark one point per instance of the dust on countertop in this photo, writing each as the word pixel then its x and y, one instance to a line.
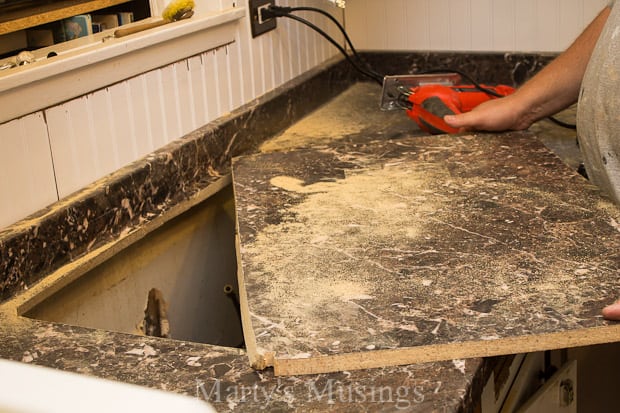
pixel 353 113
pixel 438 239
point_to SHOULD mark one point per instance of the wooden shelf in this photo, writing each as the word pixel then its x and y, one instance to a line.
pixel 13 21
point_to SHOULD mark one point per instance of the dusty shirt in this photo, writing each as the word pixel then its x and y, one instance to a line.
pixel 598 114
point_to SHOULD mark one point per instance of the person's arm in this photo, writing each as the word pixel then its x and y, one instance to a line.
pixel 554 88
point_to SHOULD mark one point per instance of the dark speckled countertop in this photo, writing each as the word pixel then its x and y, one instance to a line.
pixel 419 249
pixel 182 174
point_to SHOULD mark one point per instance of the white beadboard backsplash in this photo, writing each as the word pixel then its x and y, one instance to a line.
pixel 27 178
pixel 49 154
pixel 52 153
pixel 468 25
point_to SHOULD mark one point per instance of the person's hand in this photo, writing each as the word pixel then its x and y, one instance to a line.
pixel 492 116
pixel 612 312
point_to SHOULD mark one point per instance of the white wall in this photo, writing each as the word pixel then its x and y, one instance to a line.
pixel 468 25
pixel 50 154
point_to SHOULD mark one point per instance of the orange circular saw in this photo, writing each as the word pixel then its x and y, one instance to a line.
pixel 428 98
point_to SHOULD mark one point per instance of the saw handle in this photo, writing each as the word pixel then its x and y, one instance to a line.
pixel 430 103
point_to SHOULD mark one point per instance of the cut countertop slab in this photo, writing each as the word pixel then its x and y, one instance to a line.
pixel 378 252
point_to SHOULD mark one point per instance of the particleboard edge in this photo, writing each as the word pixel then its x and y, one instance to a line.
pixel 258 359
pixel 443 352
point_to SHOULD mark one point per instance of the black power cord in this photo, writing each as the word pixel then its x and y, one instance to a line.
pixel 562 124
pixel 465 76
pixel 355 59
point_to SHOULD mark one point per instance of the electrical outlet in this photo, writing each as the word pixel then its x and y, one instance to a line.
pixel 257 23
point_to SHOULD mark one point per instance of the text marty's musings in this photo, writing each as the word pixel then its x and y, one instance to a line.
pixel 328 391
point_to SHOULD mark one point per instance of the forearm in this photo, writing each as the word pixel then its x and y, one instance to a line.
pixel 554 88
pixel 557 85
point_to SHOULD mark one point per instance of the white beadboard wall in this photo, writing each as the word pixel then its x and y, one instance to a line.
pixel 50 154
pixel 468 25
pixel 27 178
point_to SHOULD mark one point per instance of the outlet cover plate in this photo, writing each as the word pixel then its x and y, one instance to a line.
pixel 258 25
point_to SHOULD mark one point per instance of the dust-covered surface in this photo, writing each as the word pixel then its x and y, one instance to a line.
pixel 422 241
pixel 354 114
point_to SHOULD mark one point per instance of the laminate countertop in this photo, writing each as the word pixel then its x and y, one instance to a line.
pixel 372 251
pixel 223 376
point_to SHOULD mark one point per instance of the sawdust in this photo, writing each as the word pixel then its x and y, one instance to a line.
pixel 323 250
pixel 328 123
pixel 297 185
pixel 610 209
pixel 340 258
pixel 380 211
pixel 346 115
pixel 309 131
